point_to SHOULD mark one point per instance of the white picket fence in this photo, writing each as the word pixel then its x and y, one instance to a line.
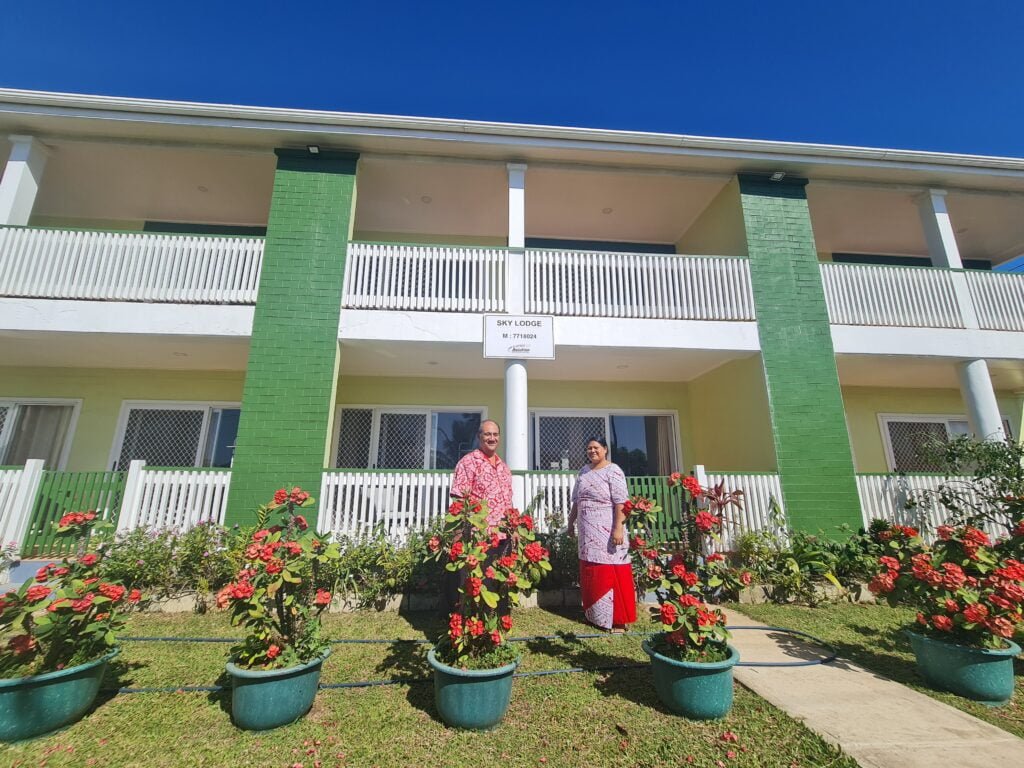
pixel 597 284
pixel 552 492
pixel 919 297
pixel 173 498
pixel 429 278
pixel 129 266
pixel 998 299
pixel 899 499
pixel 354 503
pixel 18 488
pixel 758 491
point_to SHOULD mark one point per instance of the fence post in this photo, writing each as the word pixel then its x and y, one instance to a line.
pixel 701 475
pixel 132 497
pixel 15 527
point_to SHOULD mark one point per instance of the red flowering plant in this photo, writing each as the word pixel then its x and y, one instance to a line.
pixel 703 515
pixel 496 564
pixel 964 590
pixel 693 631
pixel 69 614
pixel 275 594
pixel 641 514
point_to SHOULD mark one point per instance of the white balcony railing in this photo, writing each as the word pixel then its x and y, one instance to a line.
pixel 179 499
pixel 998 299
pixel 129 266
pixel 430 278
pixel 917 297
pixel 359 502
pixel 595 284
pixel 759 490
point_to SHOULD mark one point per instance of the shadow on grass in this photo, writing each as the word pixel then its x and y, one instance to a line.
pixel 407 661
pixel 618 676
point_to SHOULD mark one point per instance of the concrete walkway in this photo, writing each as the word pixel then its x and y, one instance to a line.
pixel 877 722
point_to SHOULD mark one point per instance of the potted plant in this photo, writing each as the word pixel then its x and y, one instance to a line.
pixel 275 670
pixel 969 597
pixel 473 664
pixel 691 659
pixel 58 632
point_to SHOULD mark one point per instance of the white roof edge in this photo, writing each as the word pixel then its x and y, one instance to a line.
pixel 184 111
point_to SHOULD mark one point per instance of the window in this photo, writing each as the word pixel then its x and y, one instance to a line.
pixel 36 429
pixel 640 443
pixel 907 439
pixel 404 438
pixel 176 435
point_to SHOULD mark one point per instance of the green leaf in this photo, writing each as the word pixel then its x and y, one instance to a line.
pixel 491 598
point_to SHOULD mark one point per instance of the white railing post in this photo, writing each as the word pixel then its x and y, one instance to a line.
pixel 129 514
pixel 701 475
pixel 15 521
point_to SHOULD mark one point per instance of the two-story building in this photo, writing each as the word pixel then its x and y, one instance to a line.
pixel 299 297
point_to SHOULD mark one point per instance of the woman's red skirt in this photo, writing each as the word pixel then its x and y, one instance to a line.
pixel 597 579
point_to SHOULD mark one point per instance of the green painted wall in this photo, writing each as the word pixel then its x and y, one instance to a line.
pixel 863 404
pixel 718 230
pixel 811 441
pixel 287 404
pixel 730 418
pixel 102 391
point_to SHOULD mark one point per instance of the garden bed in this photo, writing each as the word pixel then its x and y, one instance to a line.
pixel 872 636
pixel 610 717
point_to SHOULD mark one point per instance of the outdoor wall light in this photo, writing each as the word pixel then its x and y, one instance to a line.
pixel 777 176
pixel 314 149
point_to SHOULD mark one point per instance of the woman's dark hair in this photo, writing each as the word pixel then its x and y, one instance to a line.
pixel 599 440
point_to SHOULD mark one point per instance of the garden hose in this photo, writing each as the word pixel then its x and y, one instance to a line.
pixel 832 655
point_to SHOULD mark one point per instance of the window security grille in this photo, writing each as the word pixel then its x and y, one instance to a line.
pixel 162 437
pixel 562 440
pixel 910 441
pixel 4 409
pixel 402 441
pixel 354 435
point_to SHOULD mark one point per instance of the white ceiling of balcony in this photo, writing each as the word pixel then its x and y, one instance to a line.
pixel 849 218
pixel 445 360
pixel 135 182
pixel 928 373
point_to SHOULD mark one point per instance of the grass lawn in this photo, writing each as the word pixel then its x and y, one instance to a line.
pixel 871 635
pixel 609 718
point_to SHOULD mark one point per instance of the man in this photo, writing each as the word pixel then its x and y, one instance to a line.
pixel 482 474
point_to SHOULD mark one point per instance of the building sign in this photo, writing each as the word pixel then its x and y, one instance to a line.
pixel 525 337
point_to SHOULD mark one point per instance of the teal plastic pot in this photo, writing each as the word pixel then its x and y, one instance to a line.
pixel 265 699
pixel 975 673
pixel 32 706
pixel 693 689
pixel 475 699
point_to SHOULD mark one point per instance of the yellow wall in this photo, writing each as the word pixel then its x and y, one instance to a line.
pixel 730 417
pixel 719 229
pixel 863 404
pixel 103 390
pixel 482 241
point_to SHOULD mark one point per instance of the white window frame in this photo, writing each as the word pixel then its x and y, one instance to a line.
pixel 924 418
pixel 607 414
pixel 427 410
pixel 127 406
pixel 76 408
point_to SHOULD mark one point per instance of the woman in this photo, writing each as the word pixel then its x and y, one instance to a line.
pixel 606 574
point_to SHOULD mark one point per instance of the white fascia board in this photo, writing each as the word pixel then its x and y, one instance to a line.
pixel 380 325
pixel 69 316
pixel 510 135
pixel 927 342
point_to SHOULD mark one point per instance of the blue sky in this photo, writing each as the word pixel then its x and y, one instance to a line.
pixel 940 75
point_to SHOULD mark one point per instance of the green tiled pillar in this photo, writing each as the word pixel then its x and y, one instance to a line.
pixel 290 382
pixel 812 445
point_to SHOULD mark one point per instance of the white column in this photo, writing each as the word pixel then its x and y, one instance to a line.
pixel 517 426
pixel 517 409
pixel 943 250
pixel 20 182
pixel 980 399
pixel 516 286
